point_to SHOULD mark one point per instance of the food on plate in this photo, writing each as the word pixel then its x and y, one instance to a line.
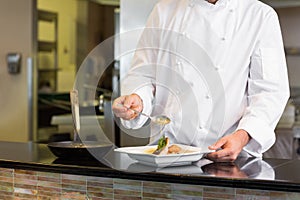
pixel 162 145
pixel 163 148
pixel 149 150
pixel 173 149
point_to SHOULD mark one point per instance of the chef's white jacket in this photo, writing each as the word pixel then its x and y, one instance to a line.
pixel 213 69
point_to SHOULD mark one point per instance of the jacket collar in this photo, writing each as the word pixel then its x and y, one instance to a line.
pixel 205 3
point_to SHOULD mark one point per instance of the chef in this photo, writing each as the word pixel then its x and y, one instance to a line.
pixel 216 68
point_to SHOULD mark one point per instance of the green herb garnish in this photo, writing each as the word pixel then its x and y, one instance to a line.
pixel 162 142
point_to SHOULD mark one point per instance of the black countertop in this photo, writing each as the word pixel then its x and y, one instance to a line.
pixel 253 173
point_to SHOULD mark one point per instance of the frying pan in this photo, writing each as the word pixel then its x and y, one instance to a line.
pixel 76 148
pixel 79 150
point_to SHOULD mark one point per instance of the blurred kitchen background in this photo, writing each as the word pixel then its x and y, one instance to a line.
pixel 44 42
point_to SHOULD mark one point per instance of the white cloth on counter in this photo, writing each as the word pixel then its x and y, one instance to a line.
pixel 213 69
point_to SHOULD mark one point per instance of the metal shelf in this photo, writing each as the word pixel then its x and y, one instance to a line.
pixel 48 70
pixel 47 75
pixel 46 46
pixel 47 16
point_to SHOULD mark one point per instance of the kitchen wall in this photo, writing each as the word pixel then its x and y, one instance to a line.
pixel 289 19
pixel 16 36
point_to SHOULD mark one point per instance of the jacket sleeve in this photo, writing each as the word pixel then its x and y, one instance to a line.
pixel 141 76
pixel 268 87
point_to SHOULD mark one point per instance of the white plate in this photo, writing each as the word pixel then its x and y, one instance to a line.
pixel 143 155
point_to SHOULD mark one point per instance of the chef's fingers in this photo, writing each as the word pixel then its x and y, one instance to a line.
pixel 120 110
pixel 128 115
pixel 221 142
pixel 133 101
pixel 124 113
pixel 222 155
pixel 121 104
pixel 117 105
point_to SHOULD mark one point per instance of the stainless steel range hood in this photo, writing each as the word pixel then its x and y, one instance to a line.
pixel 282 3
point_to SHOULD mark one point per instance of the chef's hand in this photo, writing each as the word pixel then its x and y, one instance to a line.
pixel 121 104
pixel 228 147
